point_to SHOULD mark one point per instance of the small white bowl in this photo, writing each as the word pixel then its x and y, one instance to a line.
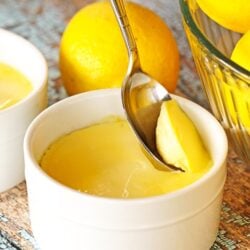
pixel 64 219
pixel 14 120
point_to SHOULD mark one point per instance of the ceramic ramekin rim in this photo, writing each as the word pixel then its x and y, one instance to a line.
pixel 202 39
pixel 29 133
pixel 44 71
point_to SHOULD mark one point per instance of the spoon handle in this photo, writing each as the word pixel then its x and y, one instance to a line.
pixel 121 16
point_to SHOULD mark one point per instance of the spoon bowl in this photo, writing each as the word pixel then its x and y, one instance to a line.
pixel 142 95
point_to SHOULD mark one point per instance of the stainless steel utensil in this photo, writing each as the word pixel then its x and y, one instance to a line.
pixel 142 95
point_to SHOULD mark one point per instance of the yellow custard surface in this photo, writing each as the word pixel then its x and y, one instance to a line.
pixel 106 160
pixel 14 86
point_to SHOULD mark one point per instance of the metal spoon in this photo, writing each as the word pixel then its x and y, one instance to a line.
pixel 142 95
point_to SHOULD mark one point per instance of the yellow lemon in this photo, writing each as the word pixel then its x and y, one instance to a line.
pixel 93 54
pixel 231 14
pixel 241 52
pixel 239 106
pixel 237 99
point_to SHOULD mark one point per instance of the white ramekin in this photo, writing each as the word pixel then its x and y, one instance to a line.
pixel 65 219
pixel 14 120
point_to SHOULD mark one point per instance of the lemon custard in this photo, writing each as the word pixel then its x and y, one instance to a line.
pixel 178 141
pixel 106 160
pixel 13 86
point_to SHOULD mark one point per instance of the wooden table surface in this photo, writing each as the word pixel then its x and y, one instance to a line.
pixel 42 22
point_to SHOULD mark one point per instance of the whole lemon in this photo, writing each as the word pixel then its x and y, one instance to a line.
pixel 241 52
pixel 231 14
pixel 93 54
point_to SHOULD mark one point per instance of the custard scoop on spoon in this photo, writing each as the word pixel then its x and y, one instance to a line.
pixel 142 96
